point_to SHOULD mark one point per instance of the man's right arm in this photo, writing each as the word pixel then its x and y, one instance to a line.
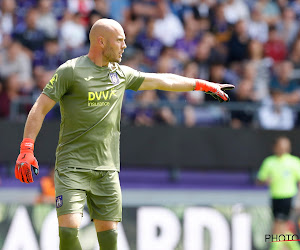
pixel 263 175
pixel 36 116
pixel 26 162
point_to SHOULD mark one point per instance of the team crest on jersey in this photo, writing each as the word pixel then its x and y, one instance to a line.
pixel 114 78
pixel 59 201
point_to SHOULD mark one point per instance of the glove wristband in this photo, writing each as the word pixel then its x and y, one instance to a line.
pixel 27 145
pixel 202 85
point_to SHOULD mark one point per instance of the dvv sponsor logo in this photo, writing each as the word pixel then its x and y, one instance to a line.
pixel 101 98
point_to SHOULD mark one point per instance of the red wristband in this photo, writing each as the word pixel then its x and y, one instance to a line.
pixel 27 145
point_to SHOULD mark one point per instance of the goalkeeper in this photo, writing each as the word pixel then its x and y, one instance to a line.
pixel 90 90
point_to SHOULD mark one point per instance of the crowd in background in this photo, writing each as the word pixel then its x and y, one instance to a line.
pixel 254 45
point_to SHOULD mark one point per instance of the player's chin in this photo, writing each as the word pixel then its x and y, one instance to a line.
pixel 117 60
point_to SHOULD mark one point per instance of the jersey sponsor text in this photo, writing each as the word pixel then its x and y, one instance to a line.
pixel 100 98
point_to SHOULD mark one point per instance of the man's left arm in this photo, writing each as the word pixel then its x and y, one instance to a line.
pixel 172 82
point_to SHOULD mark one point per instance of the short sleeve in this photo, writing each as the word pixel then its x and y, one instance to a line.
pixel 263 172
pixel 60 82
pixel 134 78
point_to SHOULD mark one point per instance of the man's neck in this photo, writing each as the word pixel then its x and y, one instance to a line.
pixel 98 60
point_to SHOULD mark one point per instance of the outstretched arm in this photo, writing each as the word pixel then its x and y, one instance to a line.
pixel 33 125
pixel 172 82
pixel 168 82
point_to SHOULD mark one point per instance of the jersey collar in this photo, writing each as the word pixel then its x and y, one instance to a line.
pixel 115 67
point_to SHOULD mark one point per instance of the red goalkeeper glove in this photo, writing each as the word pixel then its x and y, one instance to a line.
pixel 216 90
pixel 26 161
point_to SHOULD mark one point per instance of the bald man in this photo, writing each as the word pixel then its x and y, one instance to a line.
pixel 90 90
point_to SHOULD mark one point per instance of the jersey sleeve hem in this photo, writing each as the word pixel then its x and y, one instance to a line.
pixel 50 96
pixel 137 84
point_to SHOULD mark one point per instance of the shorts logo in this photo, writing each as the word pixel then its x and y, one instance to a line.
pixel 59 201
pixel 114 78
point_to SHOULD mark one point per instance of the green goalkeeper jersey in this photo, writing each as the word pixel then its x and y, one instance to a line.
pixel 283 173
pixel 90 99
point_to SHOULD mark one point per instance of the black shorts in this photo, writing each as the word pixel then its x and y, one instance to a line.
pixel 281 208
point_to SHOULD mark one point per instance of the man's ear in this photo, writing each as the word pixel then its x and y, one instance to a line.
pixel 101 41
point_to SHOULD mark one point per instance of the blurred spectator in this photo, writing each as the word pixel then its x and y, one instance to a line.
pixel 167 113
pixel 150 45
pixel 295 58
pixel 7 17
pixel 204 116
pixel 59 7
pixel 274 114
pixel 218 51
pixel 244 93
pixel 168 62
pixel 261 67
pixel 145 114
pixel 133 26
pixel 82 8
pixel 118 8
pixel 186 46
pixel 217 72
pixel 202 57
pixel 30 35
pixel 52 56
pixel 47 20
pixel 144 8
pixel 283 82
pixel 136 61
pixel 282 4
pixel 15 61
pixel 198 10
pixel 288 26
pixel 295 5
pixel 219 25
pixel 23 7
pixel 47 190
pixel 9 93
pixel 236 10
pixel 257 26
pixel 275 47
pixel 73 34
pixel 102 7
pixel 204 7
pixel 270 11
pixel 166 116
pixel 238 43
pixel 167 28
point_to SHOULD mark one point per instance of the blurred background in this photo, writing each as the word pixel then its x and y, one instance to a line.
pixel 189 163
